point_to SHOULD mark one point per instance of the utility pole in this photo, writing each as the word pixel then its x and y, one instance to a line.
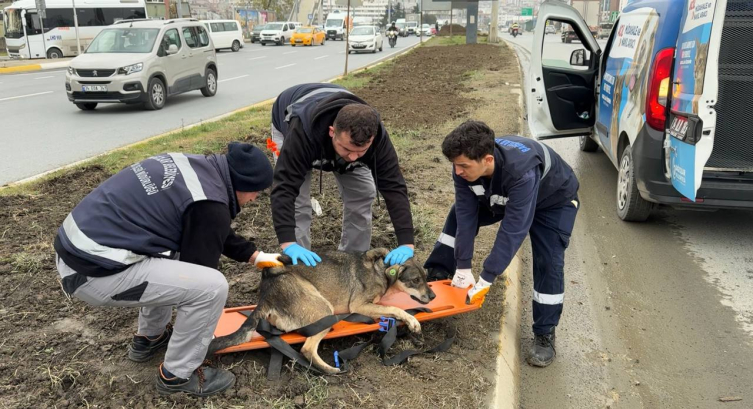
pixel 389 12
pixel 321 18
pixel 75 24
pixel 347 38
pixel 180 10
pixel 493 35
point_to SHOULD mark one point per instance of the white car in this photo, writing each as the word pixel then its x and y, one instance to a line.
pixel 365 38
pixel 425 30
pixel 550 30
pixel 225 34
pixel 277 33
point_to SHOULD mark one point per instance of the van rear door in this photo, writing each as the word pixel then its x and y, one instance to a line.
pixel 691 126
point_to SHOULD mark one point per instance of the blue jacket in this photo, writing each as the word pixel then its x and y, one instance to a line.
pixel 138 212
pixel 528 176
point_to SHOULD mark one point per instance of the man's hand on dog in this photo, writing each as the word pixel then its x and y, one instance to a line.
pixel 264 260
pixel 399 255
pixel 298 252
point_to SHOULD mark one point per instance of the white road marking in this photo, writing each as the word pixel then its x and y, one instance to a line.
pixel 319 58
pixel 285 66
pixel 41 78
pixel 257 58
pixel 27 95
pixel 289 52
pixel 234 78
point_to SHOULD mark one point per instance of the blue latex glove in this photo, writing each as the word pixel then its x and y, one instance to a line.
pixel 297 252
pixel 398 256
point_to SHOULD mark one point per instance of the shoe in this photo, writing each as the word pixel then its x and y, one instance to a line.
pixel 143 348
pixel 204 381
pixel 437 274
pixel 542 352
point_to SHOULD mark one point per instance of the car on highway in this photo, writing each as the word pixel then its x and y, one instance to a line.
pixel 256 32
pixel 412 27
pixel 307 35
pixel 226 34
pixel 604 30
pixel 550 29
pixel 365 39
pixel 143 61
pixel 277 33
pixel 426 29
pixel 663 102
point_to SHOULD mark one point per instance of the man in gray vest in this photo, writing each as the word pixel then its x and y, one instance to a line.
pixel 326 127
pixel 151 236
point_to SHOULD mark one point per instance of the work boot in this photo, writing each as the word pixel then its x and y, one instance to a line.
pixel 437 274
pixel 204 381
pixel 542 352
pixel 142 348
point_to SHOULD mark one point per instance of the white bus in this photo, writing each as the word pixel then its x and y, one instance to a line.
pixel 23 29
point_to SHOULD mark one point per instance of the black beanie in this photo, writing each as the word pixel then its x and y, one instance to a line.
pixel 250 169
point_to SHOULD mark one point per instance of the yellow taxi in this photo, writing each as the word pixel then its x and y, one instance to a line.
pixel 307 35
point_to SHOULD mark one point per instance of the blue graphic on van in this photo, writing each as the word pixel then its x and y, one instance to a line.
pixel 682 167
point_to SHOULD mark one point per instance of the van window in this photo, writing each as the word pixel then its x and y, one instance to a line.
pixel 556 54
pixel 190 37
pixel 203 36
pixel 217 27
pixel 232 26
pixel 171 37
pixel 284 27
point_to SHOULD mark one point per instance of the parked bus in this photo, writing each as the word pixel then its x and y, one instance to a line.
pixel 23 28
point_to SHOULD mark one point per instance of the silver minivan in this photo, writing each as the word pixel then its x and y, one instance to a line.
pixel 143 62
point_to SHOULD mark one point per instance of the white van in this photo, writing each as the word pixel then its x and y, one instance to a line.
pixel 278 32
pixel 667 100
pixel 226 34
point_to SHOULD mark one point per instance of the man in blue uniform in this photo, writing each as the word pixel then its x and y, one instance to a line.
pixel 151 236
pixel 527 188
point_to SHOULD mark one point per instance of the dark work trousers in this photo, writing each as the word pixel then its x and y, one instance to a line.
pixel 550 236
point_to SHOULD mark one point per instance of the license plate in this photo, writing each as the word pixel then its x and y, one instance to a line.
pixel 359 46
pixel 679 127
pixel 94 88
pixel 298 41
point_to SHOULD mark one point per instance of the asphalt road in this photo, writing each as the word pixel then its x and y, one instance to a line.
pixel 41 130
pixel 657 314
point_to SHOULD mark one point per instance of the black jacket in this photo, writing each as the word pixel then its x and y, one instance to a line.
pixel 305 127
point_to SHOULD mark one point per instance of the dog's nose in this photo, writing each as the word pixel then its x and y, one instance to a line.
pixel 432 295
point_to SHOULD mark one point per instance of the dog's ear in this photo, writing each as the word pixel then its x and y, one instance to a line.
pixel 285 260
pixel 372 256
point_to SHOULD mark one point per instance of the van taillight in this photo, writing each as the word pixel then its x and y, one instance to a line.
pixel 659 89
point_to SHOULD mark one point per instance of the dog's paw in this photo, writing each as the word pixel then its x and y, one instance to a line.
pixel 413 324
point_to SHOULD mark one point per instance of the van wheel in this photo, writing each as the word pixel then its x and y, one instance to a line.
pixel 263 44
pixel 236 46
pixel 87 106
pixel 156 95
pixel 587 144
pixel 210 87
pixel 54 53
pixel 631 207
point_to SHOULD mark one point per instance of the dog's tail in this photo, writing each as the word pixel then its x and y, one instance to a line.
pixel 243 334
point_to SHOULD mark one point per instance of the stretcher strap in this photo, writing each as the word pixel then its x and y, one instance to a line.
pixel 279 347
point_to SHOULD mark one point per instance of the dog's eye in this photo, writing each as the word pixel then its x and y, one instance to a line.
pixel 415 281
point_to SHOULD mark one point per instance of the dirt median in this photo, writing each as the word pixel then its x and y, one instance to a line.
pixel 56 352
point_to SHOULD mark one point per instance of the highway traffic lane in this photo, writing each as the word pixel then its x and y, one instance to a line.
pixel 63 134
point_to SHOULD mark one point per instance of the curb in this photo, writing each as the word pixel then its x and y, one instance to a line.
pixel 34 67
pixel 508 359
pixel 214 119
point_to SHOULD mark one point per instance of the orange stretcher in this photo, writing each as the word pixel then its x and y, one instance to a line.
pixel 449 301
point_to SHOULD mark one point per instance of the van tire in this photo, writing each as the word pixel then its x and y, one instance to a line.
pixel 87 106
pixel 153 100
pixel 587 144
pixel 236 46
pixel 210 83
pixel 631 207
pixel 54 53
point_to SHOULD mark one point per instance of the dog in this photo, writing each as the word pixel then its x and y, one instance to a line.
pixel 293 296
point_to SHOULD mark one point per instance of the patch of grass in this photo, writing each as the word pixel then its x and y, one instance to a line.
pixel 26 263
pixel 453 40
pixel 205 138
pixel 3 53
pixel 362 77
